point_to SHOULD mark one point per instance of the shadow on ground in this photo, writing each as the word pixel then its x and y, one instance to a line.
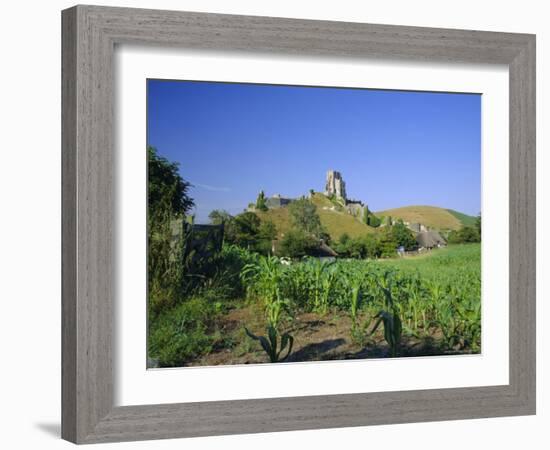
pixel 312 352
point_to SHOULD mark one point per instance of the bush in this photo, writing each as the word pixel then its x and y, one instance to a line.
pixel 366 246
pixel 373 221
pixel 403 236
pixel 387 245
pixel 464 235
pixel 297 243
pixel 243 229
pixel 180 334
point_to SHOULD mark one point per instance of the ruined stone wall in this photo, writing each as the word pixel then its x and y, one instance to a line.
pixel 335 185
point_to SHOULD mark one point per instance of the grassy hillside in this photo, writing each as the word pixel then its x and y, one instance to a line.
pixel 467 221
pixel 336 222
pixel 432 216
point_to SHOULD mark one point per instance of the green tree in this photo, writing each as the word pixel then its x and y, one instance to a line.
pixel 387 244
pixel 267 232
pixel 166 189
pixel 403 236
pixel 344 238
pixel 297 243
pixel 304 216
pixel 464 235
pixel 371 248
pixel 370 219
pixel 478 225
pixel 374 221
pixel 243 230
pixel 469 234
pixel 219 216
pixel 167 201
pixel 261 204
pixel 342 247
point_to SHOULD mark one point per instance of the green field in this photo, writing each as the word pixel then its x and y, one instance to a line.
pixel 428 304
pixel 441 263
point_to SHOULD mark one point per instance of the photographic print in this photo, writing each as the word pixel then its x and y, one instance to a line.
pixel 298 224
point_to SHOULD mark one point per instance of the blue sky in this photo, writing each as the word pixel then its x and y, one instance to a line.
pixel 393 148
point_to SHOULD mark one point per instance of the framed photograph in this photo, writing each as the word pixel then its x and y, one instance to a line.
pixel 278 224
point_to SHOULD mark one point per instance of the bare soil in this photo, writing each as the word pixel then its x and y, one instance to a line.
pixel 317 337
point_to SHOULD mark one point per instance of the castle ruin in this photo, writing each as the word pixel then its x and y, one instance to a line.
pixel 335 186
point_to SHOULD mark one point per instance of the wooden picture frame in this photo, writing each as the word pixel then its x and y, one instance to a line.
pixel 90 34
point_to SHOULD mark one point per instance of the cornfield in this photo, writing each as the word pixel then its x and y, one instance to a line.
pixel 438 296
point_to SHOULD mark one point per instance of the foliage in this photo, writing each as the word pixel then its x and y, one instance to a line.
pixel 219 216
pixel 270 344
pixel 387 245
pixel 261 204
pixel 373 220
pixel 168 201
pixel 181 334
pixel 243 230
pixel 465 235
pixel 477 225
pixel 370 219
pixel 166 190
pixel 366 246
pixel 304 216
pixel 264 278
pixel 248 231
pixel 389 315
pixel 403 236
pixel 267 232
pixel 405 296
pixel 296 244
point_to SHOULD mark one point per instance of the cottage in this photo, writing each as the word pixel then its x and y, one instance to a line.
pixel 430 239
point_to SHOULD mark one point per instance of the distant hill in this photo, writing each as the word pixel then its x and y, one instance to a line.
pixel 431 216
pixel 336 222
pixel 467 221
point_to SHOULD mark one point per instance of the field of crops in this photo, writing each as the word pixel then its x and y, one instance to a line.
pixel 435 294
pixel 316 310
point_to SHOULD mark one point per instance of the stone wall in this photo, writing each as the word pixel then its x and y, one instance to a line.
pixel 335 185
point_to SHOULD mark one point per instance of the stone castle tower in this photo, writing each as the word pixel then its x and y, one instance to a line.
pixel 335 185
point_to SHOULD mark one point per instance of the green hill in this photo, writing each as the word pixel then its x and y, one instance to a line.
pixel 334 220
pixel 467 221
pixel 431 216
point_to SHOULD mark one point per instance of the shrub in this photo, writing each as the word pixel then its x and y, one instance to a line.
pixel 464 235
pixel 387 244
pixel 297 243
pixel 180 334
pixel 403 236
pixel 261 204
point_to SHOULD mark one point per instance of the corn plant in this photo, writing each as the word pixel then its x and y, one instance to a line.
pixel 413 297
pixel 392 330
pixel 357 331
pixel 272 346
pixel 265 279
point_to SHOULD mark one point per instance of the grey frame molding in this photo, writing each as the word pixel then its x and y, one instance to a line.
pixel 89 37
